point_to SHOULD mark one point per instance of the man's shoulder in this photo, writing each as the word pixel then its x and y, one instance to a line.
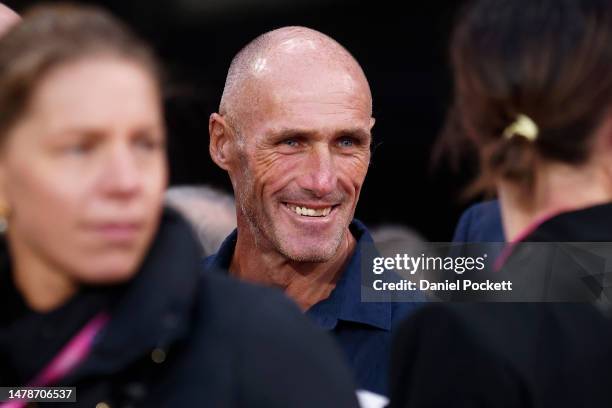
pixel 480 223
pixel 402 310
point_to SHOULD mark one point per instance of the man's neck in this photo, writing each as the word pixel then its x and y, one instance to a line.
pixel 307 283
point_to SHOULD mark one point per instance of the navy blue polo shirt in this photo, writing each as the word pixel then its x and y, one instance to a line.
pixel 480 223
pixel 362 329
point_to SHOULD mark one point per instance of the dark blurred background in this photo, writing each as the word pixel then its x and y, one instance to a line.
pixel 402 47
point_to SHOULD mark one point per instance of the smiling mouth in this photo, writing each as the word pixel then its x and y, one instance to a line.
pixel 310 212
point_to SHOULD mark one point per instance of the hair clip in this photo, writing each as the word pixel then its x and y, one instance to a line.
pixel 523 126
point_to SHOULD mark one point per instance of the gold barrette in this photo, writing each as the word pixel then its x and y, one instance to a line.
pixel 523 126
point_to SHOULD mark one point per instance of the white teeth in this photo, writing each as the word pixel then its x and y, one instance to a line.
pixel 311 212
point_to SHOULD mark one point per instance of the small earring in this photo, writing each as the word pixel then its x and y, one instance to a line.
pixel 4 213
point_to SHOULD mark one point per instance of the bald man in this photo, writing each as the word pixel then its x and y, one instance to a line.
pixel 7 19
pixel 294 131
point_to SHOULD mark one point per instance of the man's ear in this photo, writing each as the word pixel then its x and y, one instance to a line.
pixel 221 141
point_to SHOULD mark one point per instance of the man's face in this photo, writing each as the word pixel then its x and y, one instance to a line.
pixel 302 158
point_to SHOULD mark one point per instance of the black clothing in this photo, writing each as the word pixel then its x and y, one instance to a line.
pixel 510 355
pixel 217 342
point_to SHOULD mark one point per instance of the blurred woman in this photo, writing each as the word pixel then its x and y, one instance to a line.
pixel 101 289
pixel 533 94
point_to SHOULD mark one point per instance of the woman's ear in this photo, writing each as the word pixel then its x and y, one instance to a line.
pixel 221 141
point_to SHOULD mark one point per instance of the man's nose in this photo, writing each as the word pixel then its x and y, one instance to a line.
pixel 320 173
pixel 121 175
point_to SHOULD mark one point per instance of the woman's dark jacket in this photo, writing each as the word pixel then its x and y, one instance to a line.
pixel 216 342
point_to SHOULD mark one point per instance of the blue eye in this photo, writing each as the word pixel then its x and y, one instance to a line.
pixel 291 142
pixel 346 142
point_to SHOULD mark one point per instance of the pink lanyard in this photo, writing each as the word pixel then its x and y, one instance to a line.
pixel 71 355
pixel 508 249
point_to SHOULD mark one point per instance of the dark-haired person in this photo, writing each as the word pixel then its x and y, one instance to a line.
pixel 101 289
pixel 533 89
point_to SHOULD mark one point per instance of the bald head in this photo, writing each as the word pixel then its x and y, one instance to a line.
pixel 8 18
pixel 295 57
pixel 294 135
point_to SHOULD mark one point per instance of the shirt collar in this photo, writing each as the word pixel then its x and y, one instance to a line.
pixel 344 303
pixel 222 260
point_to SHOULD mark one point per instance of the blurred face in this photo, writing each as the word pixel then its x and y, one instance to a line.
pixel 303 157
pixel 84 170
